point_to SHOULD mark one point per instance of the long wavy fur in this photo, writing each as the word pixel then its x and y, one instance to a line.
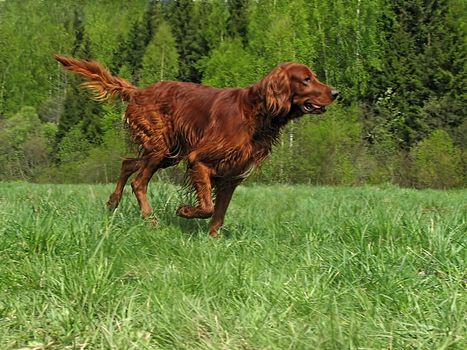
pixel 103 84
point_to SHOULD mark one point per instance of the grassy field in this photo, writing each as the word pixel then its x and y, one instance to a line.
pixel 297 267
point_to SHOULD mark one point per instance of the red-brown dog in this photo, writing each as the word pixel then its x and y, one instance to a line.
pixel 221 133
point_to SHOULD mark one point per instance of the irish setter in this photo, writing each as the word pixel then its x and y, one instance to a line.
pixel 221 133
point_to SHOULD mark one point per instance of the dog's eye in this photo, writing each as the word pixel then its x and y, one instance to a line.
pixel 306 80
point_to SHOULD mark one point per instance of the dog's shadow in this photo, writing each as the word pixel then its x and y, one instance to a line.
pixel 164 216
pixel 198 228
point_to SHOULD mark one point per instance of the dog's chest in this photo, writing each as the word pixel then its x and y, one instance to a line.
pixel 244 152
pixel 261 145
pixel 240 162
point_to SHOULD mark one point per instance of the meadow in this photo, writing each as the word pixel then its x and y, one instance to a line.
pixel 296 267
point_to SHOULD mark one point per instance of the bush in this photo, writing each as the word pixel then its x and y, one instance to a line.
pixel 437 162
pixel 83 164
pixel 74 146
pixel 24 145
pixel 318 150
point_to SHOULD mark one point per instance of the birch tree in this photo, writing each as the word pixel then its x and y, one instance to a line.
pixel 160 60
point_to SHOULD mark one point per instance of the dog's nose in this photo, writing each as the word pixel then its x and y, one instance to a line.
pixel 335 94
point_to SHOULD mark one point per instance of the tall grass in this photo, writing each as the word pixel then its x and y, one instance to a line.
pixel 297 267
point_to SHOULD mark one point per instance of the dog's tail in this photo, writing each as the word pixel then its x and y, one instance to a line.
pixel 99 80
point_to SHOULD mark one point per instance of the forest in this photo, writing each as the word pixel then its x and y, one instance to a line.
pixel 400 66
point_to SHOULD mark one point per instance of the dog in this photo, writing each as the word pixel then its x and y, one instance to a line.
pixel 222 133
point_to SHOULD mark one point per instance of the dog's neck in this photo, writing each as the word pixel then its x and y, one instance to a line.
pixel 266 128
pixel 255 97
pixel 265 121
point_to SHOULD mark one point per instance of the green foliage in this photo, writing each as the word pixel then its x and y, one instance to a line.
pixel 130 51
pixel 228 66
pixel 400 66
pixel 31 32
pixel 238 18
pixel 107 22
pixel 278 32
pixel 318 150
pixel 73 146
pixel 217 24
pixel 329 148
pixel 347 41
pixel 437 162
pixel 81 162
pixel 186 19
pixel 424 58
pixel 160 60
pixel 25 145
pixel 134 50
pixel 78 107
pixel 112 117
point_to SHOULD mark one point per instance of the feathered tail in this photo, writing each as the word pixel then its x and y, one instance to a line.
pixel 100 81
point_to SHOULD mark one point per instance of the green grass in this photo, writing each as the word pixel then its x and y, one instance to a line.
pixel 297 267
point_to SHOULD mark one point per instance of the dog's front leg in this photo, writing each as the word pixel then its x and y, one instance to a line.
pixel 223 197
pixel 200 177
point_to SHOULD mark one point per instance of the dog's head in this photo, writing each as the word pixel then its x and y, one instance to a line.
pixel 295 85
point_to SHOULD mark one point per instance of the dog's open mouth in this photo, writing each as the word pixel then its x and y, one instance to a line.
pixel 312 108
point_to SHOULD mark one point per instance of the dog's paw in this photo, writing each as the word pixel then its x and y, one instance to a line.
pixel 152 221
pixel 113 201
pixel 185 211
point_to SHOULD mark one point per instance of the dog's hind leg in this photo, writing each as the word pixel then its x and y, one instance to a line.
pixel 148 167
pixel 200 177
pixel 129 166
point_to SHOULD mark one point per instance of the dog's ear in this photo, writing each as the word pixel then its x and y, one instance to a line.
pixel 277 92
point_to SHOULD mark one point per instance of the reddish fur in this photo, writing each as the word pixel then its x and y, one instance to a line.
pixel 222 133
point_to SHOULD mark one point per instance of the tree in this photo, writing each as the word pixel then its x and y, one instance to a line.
pixel 74 146
pixel 78 107
pixel 238 19
pixel 422 65
pixel 186 20
pixel 228 66
pixel 217 20
pixel 108 23
pixel 129 53
pixel 278 32
pixel 160 60
pixel 135 47
pixel 27 44
pixel 346 38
